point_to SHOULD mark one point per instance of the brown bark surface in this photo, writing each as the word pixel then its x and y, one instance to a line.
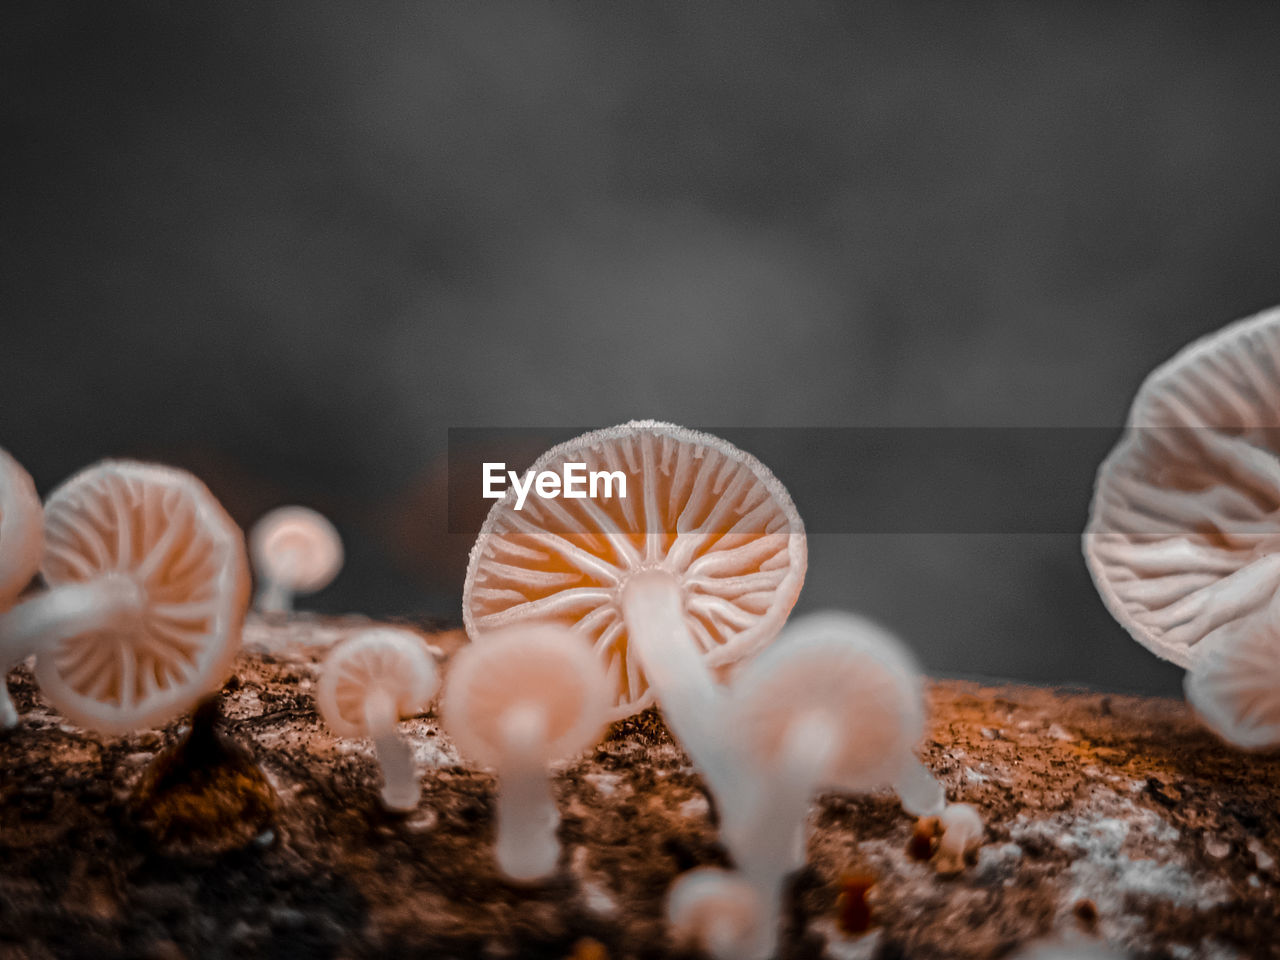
pixel 1109 818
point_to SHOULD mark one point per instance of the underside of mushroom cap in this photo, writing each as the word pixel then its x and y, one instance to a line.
pixel 1234 684
pixel 383 659
pixel 712 516
pixel 161 528
pixel 541 665
pixel 21 529
pixel 847 670
pixel 1183 539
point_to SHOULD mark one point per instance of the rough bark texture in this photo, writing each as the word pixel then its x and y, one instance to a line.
pixel 1108 817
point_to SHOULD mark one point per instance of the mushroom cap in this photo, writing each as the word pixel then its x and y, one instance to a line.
pixel 163 529
pixel 709 514
pixel 1234 684
pixel 1184 530
pixel 21 529
pixel 389 659
pixel 540 664
pixel 706 897
pixel 847 670
pixel 296 546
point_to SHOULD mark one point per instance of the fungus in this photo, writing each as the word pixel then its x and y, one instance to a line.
pixel 148 585
pixel 1234 684
pixel 517 700
pixel 368 682
pixel 21 542
pixel 962 832
pixel 696 567
pixel 295 550
pixel 837 703
pixel 1185 521
pixel 716 911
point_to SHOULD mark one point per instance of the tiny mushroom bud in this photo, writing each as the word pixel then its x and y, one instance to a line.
pixel 295 550
pixel 148 585
pixel 716 911
pixel 836 703
pixel 517 700
pixel 689 559
pixel 21 542
pixel 961 832
pixel 367 683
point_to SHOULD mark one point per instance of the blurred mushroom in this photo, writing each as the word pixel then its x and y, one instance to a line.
pixel 295 550
pixel 716 911
pixel 368 682
pixel 696 567
pixel 836 703
pixel 962 831
pixel 148 585
pixel 1184 527
pixel 21 543
pixel 517 700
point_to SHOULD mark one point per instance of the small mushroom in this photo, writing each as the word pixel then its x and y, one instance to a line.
pixel 716 911
pixel 695 568
pixel 148 585
pixel 21 542
pixel 836 703
pixel 517 700
pixel 295 550
pixel 368 682
pixel 962 831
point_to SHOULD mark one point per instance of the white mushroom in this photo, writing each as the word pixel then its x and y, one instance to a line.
pixel 148 588
pixel 21 543
pixel 295 550
pixel 962 831
pixel 517 700
pixel 836 703
pixel 368 682
pixel 715 911
pixel 696 567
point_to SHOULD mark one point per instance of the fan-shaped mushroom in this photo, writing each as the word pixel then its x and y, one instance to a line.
pixel 516 700
pixel 836 703
pixel 716 911
pixel 1184 527
pixel 696 567
pixel 367 683
pixel 295 550
pixel 21 542
pixel 148 587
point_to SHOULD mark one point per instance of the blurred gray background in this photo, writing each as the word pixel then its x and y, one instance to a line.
pixel 288 246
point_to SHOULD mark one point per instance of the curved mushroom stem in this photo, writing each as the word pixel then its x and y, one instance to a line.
pixel 276 593
pixel 767 853
pixel 526 846
pixel 653 610
pixel 921 795
pixel 68 610
pixel 400 788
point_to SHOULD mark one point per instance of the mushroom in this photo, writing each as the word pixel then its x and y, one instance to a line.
pixel 694 568
pixel 367 683
pixel 148 585
pixel 836 703
pixel 295 550
pixel 1234 684
pixel 516 700
pixel 716 911
pixel 21 543
pixel 962 831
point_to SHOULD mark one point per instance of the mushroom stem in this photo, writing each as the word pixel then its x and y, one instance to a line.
pixel 276 595
pixel 526 845
pixel 400 787
pixel 8 712
pixel 68 610
pixel 653 610
pixel 920 793
pixel 767 851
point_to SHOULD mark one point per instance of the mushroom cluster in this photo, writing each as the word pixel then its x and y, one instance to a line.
pixel 1183 539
